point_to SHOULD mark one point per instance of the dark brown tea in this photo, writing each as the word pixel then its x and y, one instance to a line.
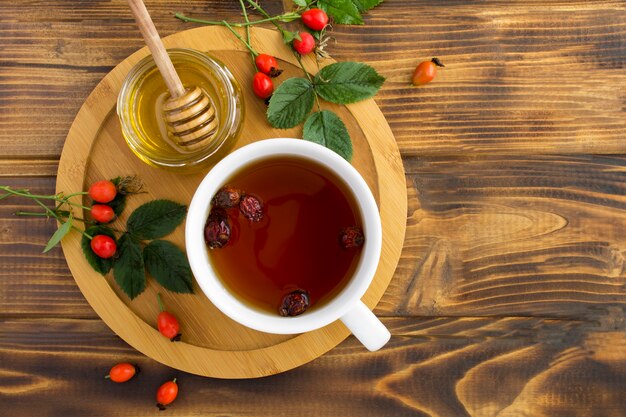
pixel 296 245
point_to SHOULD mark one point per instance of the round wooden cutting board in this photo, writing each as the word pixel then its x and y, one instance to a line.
pixel 213 345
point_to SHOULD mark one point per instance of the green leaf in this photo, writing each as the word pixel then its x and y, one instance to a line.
pixel 129 270
pixel 168 265
pixel 289 36
pixel 59 234
pixel 290 103
pixel 326 128
pixel 365 5
pixel 102 266
pixel 347 82
pixel 301 3
pixel 155 219
pixel 342 11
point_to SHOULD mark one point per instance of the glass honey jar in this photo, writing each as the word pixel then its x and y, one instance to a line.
pixel 139 108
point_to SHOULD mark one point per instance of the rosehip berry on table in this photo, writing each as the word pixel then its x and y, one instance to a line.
pixel 315 19
pixel 268 65
pixel 102 213
pixel 167 323
pixel 251 207
pixel 351 237
pixel 426 71
pixel 305 45
pixel 122 372
pixel 103 246
pixel 262 85
pixel 166 394
pixel 294 303
pixel 227 197
pixel 102 191
pixel 217 229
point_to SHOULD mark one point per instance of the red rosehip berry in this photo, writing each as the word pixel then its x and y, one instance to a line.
pixel 217 229
pixel 227 197
pixel 166 394
pixel 102 191
pixel 294 303
pixel 102 213
pixel 103 246
pixel 122 372
pixel 351 237
pixel 262 85
pixel 251 207
pixel 268 65
pixel 167 323
pixel 315 19
pixel 304 45
pixel 426 71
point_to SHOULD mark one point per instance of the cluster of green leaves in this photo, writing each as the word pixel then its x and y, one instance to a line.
pixel 140 250
pixel 345 12
pixel 340 83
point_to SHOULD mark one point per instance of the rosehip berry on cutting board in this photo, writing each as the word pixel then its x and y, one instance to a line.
pixel 103 246
pixel 268 65
pixel 102 191
pixel 167 323
pixel 262 85
pixel 102 213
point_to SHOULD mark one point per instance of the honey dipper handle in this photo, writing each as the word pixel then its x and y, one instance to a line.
pixel 162 59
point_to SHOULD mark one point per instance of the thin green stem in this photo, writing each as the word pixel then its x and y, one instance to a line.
pixel 160 300
pixel 239 24
pixel 31 214
pixel 25 193
pixel 46 214
pixel 78 229
pixel 308 76
pixel 47 209
pixel 204 22
pixel 250 48
pixel 75 194
pixel 245 16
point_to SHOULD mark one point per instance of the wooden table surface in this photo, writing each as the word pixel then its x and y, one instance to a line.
pixel 510 296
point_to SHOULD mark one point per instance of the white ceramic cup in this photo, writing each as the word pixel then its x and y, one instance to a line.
pixel 346 305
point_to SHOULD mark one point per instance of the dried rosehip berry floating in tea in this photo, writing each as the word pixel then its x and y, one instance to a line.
pixel 284 255
pixel 294 304
pixel 227 197
pixel 251 207
pixel 351 237
pixel 217 229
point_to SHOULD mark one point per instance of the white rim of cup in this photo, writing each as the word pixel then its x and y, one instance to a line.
pixel 219 294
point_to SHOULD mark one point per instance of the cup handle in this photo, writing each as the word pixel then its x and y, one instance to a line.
pixel 366 327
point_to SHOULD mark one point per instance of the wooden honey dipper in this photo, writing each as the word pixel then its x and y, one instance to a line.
pixel 189 113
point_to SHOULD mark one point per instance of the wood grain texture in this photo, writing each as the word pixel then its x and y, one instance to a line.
pixel 437 367
pixel 541 235
pixel 523 76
